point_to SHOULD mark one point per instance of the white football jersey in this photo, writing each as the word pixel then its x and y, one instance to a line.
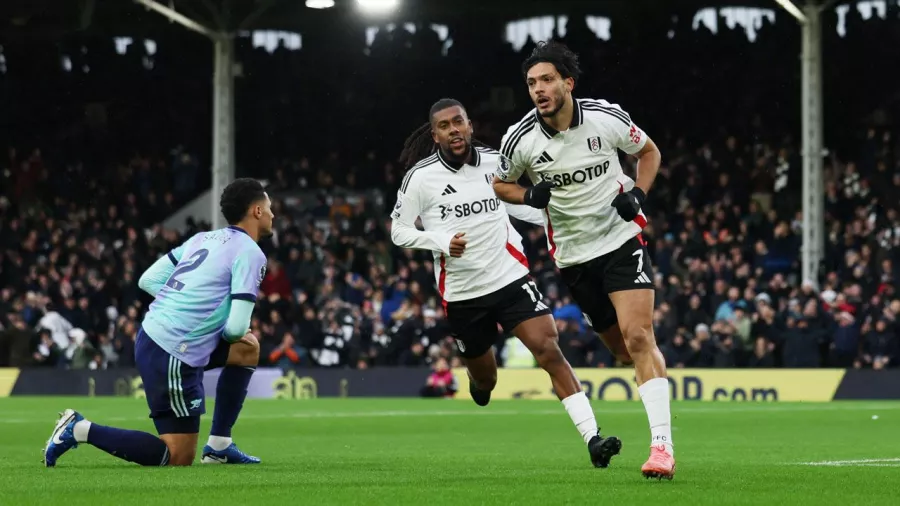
pixel 451 198
pixel 583 162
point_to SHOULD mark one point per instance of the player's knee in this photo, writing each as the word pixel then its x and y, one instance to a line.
pixel 244 353
pixel 181 455
pixel 487 381
pixel 547 352
pixel 489 384
pixel 615 342
pixel 638 338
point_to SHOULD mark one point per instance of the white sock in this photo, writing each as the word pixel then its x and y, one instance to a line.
pixel 219 443
pixel 80 431
pixel 582 415
pixel 655 394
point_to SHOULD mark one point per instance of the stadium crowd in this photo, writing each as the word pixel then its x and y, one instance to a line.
pixel 724 234
pixel 725 222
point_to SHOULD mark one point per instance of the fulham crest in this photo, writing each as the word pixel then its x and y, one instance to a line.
pixel 594 144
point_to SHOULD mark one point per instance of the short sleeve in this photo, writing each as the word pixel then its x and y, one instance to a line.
pixel 629 137
pixel 510 165
pixel 507 170
pixel 247 274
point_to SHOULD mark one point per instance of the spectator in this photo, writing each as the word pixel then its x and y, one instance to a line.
pixel 441 382
pixel 762 357
pixel 47 352
pixel 679 353
pixel 845 346
pixel 287 354
pixel 880 346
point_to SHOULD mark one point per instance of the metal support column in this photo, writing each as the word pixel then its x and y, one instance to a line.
pixel 223 123
pixel 813 190
pixel 223 103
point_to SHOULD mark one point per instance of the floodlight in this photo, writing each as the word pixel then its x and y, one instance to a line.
pixel 378 6
pixel 320 4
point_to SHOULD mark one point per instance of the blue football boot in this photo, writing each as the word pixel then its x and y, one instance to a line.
pixel 230 455
pixel 63 437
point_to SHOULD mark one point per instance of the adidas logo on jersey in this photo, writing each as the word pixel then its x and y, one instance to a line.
pixel 642 278
pixel 544 158
pixel 449 190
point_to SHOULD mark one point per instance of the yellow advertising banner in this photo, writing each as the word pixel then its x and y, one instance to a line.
pixel 8 377
pixel 741 385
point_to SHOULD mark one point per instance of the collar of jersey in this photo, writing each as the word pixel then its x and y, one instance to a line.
pixel 239 229
pixel 455 166
pixel 577 116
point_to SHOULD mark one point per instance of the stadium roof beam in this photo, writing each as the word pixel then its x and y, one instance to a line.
pixel 793 10
pixel 179 18
pixel 223 90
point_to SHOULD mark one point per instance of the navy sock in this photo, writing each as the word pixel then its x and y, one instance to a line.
pixel 230 394
pixel 131 445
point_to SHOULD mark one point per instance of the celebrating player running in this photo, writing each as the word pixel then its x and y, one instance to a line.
pixel 569 149
pixel 482 274
pixel 204 293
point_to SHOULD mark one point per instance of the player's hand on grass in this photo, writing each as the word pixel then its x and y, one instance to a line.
pixel 538 196
pixel 628 204
pixel 457 245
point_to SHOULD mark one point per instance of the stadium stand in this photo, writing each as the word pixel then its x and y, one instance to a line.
pixel 78 226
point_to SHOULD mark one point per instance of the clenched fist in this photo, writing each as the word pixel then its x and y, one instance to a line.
pixel 457 245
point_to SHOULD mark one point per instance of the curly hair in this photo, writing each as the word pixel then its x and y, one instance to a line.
pixel 557 54
pixel 237 198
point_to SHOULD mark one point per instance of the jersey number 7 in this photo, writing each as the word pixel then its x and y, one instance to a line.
pixel 196 259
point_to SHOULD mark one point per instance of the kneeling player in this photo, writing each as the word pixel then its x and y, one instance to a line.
pixel 204 292
pixel 482 274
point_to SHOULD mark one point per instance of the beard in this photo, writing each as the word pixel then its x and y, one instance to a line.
pixel 557 106
pixel 461 158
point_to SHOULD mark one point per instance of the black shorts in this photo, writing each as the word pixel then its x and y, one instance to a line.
pixel 473 322
pixel 590 283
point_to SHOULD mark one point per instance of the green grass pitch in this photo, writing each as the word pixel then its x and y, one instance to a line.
pixel 412 451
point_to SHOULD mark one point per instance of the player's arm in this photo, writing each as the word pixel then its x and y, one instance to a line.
pixel 155 277
pixel 238 322
pixel 403 222
pixel 649 160
pixel 508 190
pixel 632 140
pixel 525 213
pixel 247 273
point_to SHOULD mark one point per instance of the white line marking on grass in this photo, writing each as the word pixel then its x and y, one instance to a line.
pixel 682 410
pixel 854 463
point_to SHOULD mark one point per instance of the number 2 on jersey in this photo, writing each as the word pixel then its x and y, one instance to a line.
pixel 196 259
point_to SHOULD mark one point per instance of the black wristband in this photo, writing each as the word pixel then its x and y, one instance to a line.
pixel 637 192
pixel 527 198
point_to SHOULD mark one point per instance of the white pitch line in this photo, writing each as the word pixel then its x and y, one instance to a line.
pixel 855 463
pixel 327 414
pixel 598 408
